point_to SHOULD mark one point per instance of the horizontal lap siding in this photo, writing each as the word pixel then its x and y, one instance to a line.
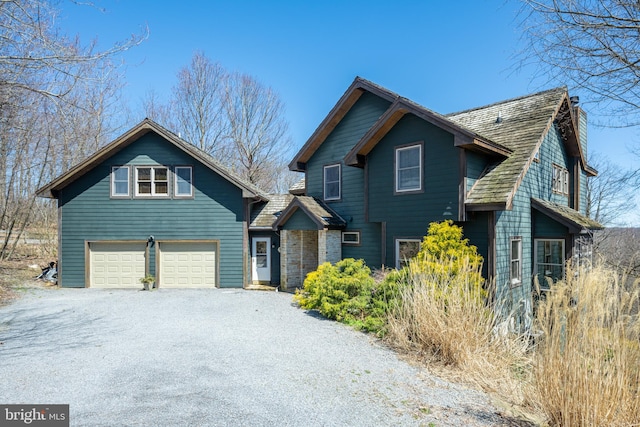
pixel 518 221
pixel 409 215
pixel 300 221
pixel 88 212
pixel 476 229
pixel 475 166
pixel 351 206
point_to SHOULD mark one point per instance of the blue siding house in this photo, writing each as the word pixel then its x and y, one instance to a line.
pixel 150 203
pixel 380 168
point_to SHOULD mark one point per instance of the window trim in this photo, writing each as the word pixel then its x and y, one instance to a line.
pixel 515 281
pixel 113 182
pixel 397 247
pixel 396 151
pixel 536 242
pixel 175 182
pixel 324 182
pixel 559 180
pixel 153 181
pixel 350 242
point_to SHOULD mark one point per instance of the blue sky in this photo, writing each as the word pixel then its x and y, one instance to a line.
pixel 447 56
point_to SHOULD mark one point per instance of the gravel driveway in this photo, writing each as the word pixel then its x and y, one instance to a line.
pixel 212 357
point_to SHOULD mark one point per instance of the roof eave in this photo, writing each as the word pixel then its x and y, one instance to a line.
pixel 337 113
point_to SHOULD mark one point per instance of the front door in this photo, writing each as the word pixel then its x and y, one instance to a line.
pixel 261 259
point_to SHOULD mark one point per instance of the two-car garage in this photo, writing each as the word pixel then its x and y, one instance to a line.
pixel 179 264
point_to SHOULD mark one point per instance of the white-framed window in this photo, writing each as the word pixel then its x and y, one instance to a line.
pixel 152 181
pixel 183 181
pixel 408 168
pixel 120 181
pixel 332 185
pixel 405 250
pixel 549 261
pixel 515 255
pixel 560 180
pixel 351 237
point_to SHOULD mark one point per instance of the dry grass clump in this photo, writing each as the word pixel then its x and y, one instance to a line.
pixel 587 362
pixel 444 318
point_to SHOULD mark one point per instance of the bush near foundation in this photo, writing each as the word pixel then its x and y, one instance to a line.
pixel 347 292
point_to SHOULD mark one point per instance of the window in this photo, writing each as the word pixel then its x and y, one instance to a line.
pixel 332 182
pixel 152 181
pixel 182 185
pixel 560 178
pixel 351 237
pixel 549 261
pixel 120 181
pixel 405 250
pixel 516 262
pixel 408 163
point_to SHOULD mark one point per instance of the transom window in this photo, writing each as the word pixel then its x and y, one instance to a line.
pixel 516 261
pixel 183 178
pixel 405 250
pixel 408 174
pixel 351 237
pixel 560 183
pixel 549 261
pixel 152 181
pixel 120 181
pixel 332 182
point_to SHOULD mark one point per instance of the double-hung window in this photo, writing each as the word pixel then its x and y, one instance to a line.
pixel 152 181
pixel 120 181
pixel 560 180
pixel 408 168
pixel 332 186
pixel 516 262
pixel 183 181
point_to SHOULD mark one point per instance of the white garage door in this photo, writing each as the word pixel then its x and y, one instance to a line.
pixel 116 265
pixel 187 264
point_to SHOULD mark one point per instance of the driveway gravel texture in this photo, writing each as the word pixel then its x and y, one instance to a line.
pixel 213 357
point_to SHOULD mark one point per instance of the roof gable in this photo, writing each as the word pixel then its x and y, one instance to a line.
pixel 321 214
pixel 51 189
pixel 520 124
pixel 464 137
pixel 337 113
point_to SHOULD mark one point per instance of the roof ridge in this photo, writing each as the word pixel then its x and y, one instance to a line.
pixel 505 101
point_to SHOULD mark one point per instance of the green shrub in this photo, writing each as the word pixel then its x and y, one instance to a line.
pixel 347 292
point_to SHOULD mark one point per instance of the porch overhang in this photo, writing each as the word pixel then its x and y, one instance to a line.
pixel 570 218
pixel 322 216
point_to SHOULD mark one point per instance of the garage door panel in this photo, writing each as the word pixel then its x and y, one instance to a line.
pixel 116 265
pixel 187 264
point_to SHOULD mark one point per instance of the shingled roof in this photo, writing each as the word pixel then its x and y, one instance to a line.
pixel 571 218
pixel 315 209
pixel 519 124
pixel 51 189
pixel 262 217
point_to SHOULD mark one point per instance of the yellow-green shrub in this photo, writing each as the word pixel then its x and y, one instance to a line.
pixel 348 293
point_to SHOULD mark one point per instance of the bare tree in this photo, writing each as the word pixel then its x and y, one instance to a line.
pixel 257 129
pixel 55 98
pixel 592 45
pixel 608 193
pixel 198 104
pixel 233 117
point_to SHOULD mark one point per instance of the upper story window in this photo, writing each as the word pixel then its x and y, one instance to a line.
pixel 152 181
pixel 408 165
pixel 560 180
pixel 120 181
pixel 332 182
pixel 183 179
pixel 516 261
